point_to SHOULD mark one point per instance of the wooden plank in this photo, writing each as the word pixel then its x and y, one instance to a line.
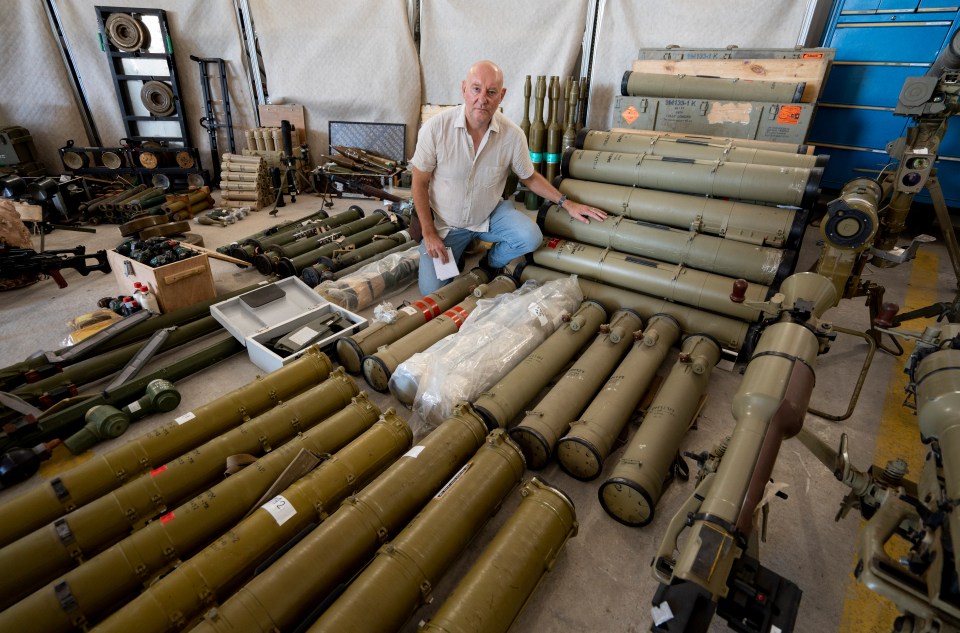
pixel 28 212
pixel 272 115
pixel 812 71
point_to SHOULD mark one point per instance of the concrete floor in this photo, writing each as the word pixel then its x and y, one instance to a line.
pixel 601 581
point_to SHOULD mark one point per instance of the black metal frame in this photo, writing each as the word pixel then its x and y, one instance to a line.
pixel 115 56
pixel 209 120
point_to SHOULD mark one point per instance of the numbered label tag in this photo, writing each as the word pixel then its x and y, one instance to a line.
pixel 280 509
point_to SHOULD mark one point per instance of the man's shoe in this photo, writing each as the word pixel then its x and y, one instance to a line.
pixel 484 265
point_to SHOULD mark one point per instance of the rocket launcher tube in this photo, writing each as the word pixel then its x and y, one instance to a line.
pixel 512 565
pixel 378 366
pixel 292 267
pixel 398 580
pixel 292 586
pixel 352 349
pixel 631 493
pixel 730 333
pixel 759 264
pixel 301 246
pixel 41 555
pixel 773 146
pixel 696 87
pixel 106 472
pixel 104 581
pixel 171 603
pixel 541 428
pixel 795 186
pixel 699 149
pixel 674 282
pixel 501 404
pixel 733 220
pixel 313 275
pixel 582 451
pixel 769 406
pixel 286 233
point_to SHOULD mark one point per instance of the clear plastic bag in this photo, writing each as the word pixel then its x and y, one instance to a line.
pixel 375 281
pixel 385 312
pixel 496 337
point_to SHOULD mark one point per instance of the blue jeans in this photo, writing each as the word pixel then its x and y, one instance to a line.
pixel 512 232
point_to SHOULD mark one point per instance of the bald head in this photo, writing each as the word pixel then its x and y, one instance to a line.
pixel 482 93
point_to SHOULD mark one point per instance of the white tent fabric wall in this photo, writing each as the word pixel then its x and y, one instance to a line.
pixel 534 37
pixel 35 93
pixel 343 61
pixel 205 28
pixel 625 26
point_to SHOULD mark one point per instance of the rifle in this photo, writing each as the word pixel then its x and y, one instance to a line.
pixel 15 262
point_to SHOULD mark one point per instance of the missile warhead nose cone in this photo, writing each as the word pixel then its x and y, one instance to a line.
pixel 579 458
pixel 626 502
pixel 536 449
pixel 349 354
pixel 376 373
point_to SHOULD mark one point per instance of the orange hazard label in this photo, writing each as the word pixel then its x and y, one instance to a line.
pixel 812 56
pixel 630 115
pixel 789 114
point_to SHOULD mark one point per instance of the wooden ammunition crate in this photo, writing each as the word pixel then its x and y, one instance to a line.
pixel 175 285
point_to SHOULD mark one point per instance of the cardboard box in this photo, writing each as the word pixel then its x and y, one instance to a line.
pixel 175 285
pixel 274 310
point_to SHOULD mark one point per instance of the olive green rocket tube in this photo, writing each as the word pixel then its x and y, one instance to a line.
pixel 759 264
pixel 500 404
pixel 741 221
pixel 583 449
pixel 631 493
pixel 378 366
pixel 301 246
pixel 313 275
pixel 796 186
pixel 41 555
pixel 772 146
pixel 491 595
pixel 541 428
pixel 291 267
pixel 328 275
pixel 398 580
pixel 285 593
pixel 731 333
pixel 287 232
pixel 104 581
pixel 104 473
pixel 695 149
pixel 352 349
pixel 769 406
pixel 674 282
pixel 637 84
pixel 171 603
pixel 96 367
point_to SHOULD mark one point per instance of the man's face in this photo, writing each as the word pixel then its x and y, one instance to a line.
pixel 482 93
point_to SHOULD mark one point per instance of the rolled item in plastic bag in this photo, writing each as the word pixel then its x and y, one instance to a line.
pixel 498 335
pixel 374 282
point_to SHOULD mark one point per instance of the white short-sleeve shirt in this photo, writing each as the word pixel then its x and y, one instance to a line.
pixel 467 185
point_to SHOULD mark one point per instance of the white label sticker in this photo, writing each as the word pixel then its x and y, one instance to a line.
pixel 661 613
pixel 304 335
pixel 133 407
pixel 280 509
pixel 408 310
pixel 537 311
pixel 186 417
pixel 414 452
pixel 775 629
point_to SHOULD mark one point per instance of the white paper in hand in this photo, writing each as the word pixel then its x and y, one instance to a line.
pixel 448 270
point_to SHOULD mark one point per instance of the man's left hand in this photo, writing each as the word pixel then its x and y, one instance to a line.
pixel 583 212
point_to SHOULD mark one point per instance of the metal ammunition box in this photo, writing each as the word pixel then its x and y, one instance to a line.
pixel 274 310
pixel 781 122
pixel 177 285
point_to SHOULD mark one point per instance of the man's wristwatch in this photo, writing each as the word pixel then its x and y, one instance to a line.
pixel 563 198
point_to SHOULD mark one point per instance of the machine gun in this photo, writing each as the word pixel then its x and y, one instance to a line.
pixel 16 262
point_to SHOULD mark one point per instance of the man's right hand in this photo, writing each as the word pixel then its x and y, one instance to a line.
pixel 435 247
